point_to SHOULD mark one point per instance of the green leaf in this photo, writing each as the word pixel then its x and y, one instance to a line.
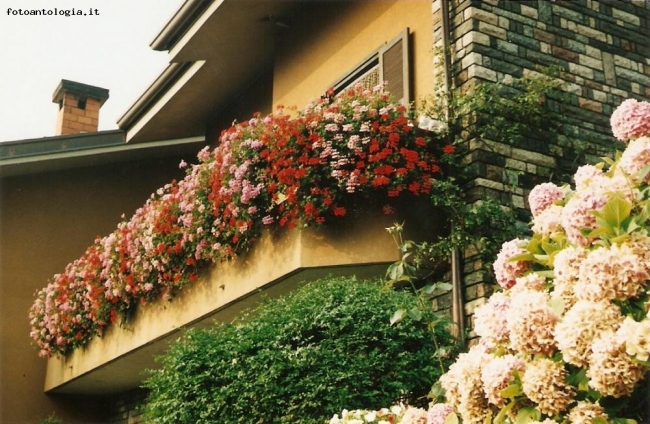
pixel 395 270
pixel 443 286
pixel 546 274
pixel 524 257
pixel 512 391
pixel 451 419
pixel 528 414
pixel 557 305
pixel 415 313
pixel 397 316
pixel 643 173
pixel 437 392
pixel 503 412
pixel 616 210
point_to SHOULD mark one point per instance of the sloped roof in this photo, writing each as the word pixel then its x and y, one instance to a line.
pixel 216 48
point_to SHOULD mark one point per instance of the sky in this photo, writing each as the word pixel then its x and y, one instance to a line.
pixel 109 50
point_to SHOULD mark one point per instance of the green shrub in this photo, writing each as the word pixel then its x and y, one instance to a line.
pixel 298 359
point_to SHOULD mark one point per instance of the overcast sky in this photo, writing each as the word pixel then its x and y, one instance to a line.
pixel 110 50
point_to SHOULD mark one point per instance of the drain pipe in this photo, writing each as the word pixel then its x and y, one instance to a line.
pixel 457 304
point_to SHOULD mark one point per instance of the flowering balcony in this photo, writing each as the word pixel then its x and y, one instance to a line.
pixel 206 247
pixel 357 245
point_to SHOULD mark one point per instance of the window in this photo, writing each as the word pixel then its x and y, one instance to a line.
pixel 390 63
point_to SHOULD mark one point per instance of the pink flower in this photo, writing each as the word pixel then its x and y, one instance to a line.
pixel 631 120
pixel 438 413
pixel 577 214
pixel 543 196
pixel 507 271
pixel 635 158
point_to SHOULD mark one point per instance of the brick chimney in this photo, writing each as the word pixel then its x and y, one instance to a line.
pixel 79 106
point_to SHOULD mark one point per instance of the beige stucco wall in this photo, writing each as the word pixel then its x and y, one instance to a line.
pixel 46 221
pixel 327 40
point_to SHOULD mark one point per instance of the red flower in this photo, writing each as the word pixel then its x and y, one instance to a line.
pixel 380 180
pixel 448 149
pixel 339 211
pixel 388 210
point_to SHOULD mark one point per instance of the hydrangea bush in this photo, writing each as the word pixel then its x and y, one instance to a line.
pixel 276 171
pixel 567 339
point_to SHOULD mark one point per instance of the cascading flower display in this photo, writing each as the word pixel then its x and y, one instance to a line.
pixel 279 170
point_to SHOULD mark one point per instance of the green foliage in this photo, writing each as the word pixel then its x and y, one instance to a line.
pixel 52 419
pixel 299 359
pixel 509 113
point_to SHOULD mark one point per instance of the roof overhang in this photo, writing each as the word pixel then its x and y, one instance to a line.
pixel 216 48
pixel 45 154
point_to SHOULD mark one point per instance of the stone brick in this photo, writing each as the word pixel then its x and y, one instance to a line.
pixel 590 105
pixel 564 54
pixel 476 71
pixel 492 30
pixel 569 14
pixel 590 62
pixel 591 33
pixel 471 306
pixel 633 76
pixel 609 68
pixel 481 15
pixel 580 70
pixel 528 11
pixel 543 36
pixel 522 40
pixel 472 59
pixel 626 17
pixel 476 37
pixel 532 157
pixel 593 52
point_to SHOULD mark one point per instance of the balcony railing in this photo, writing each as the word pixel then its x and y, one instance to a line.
pixel 357 245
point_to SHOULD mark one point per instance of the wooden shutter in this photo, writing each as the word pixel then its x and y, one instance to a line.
pixel 394 67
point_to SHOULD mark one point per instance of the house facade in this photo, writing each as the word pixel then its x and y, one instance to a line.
pixel 229 59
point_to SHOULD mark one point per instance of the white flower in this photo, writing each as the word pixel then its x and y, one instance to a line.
pixel 611 273
pixel 611 371
pixel 544 382
pixel 580 325
pixel 636 336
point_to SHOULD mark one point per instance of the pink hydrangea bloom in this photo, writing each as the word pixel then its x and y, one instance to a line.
pixel 588 176
pixel 490 320
pixel 577 214
pixel 438 413
pixel 507 271
pixel 631 120
pixel 497 374
pixel 636 157
pixel 543 196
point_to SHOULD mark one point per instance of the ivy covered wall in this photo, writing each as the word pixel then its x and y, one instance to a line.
pixel 599 50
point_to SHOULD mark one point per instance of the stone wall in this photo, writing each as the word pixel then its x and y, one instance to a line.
pixel 603 50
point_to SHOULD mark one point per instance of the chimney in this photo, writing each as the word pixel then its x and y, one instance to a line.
pixel 79 106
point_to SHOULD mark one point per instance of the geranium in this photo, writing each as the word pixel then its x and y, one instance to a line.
pixel 280 170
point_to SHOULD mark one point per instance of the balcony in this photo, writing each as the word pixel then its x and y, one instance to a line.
pixel 278 263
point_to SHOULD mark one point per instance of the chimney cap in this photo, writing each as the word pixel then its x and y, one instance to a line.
pixel 79 89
